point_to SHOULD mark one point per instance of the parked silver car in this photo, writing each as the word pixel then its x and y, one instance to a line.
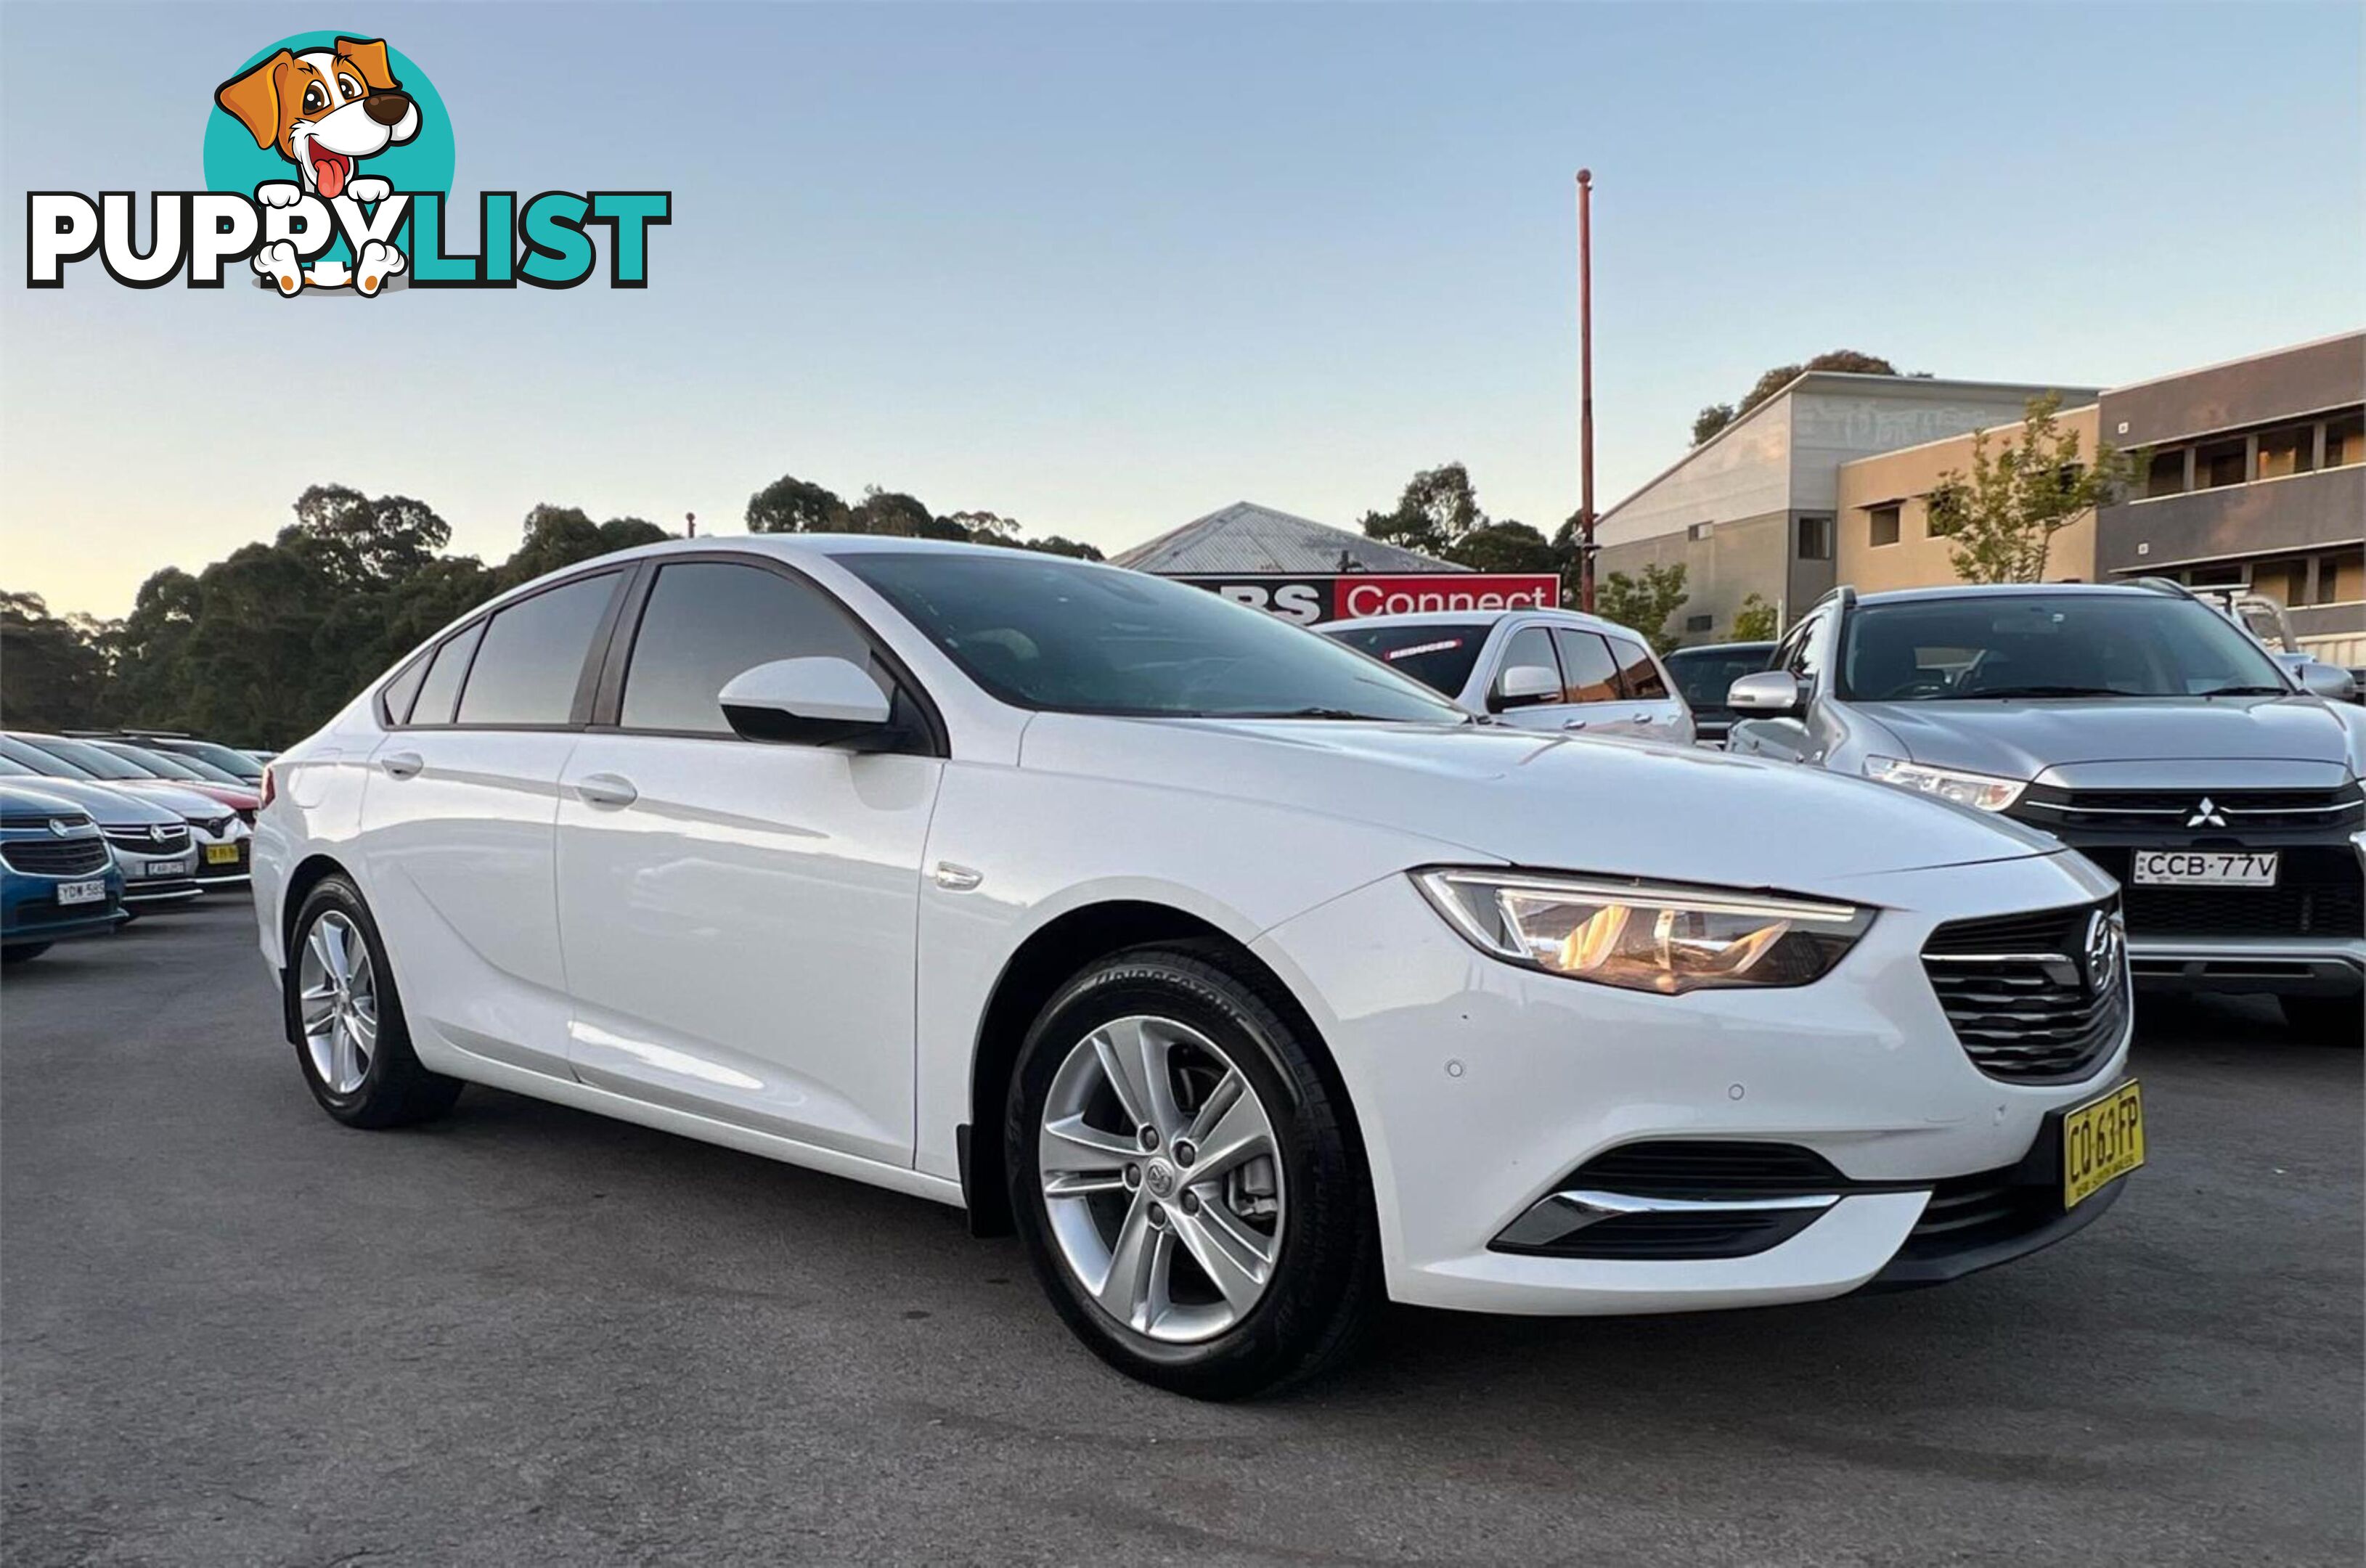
pixel 2136 723
pixel 1533 669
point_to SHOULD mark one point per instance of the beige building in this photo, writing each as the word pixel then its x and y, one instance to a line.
pixel 1883 523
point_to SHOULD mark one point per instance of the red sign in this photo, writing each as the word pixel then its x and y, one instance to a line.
pixel 1308 601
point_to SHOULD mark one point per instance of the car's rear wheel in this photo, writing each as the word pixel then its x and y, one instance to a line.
pixel 351 1039
pixel 1184 1179
pixel 2337 1021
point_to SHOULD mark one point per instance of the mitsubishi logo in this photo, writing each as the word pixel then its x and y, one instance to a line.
pixel 2206 815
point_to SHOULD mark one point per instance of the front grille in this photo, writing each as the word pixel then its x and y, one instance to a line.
pixel 139 840
pixel 1692 1167
pixel 1970 1211
pixel 56 857
pixel 2016 990
pixel 2181 810
pixel 2318 892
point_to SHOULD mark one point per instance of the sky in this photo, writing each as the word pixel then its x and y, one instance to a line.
pixel 1105 268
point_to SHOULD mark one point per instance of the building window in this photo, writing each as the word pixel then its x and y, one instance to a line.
pixel 1815 538
pixel 1699 622
pixel 1698 532
pixel 2345 440
pixel 2218 464
pixel 2291 450
pixel 2221 574
pixel 1884 524
pixel 2165 475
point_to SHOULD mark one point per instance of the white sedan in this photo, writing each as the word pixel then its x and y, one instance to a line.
pixel 1553 670
pixel 1250 981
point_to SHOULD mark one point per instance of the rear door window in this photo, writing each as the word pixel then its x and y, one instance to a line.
pixel 1589 673
pixel 531 661
pixel 1638 677
pixel 440 692
pixel 708 621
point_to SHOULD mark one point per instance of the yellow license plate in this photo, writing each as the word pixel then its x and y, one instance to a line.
pixel 2101 1141
pixel 221 854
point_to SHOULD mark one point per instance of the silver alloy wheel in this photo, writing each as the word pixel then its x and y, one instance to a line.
pixel 1161 1178
pixel 337 992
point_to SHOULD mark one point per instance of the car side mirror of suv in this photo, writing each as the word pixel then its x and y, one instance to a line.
pixel 1766 692
pixel 1526 683
pixel 806 701
pixel 2327 681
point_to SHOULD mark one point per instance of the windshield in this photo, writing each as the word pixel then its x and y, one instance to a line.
pixel 236 767
pixel 1706 674
pixel 157 765
pixel 35 760
pixel 1437 655
pixel 92 760
pixel 2137 644
pixel 1043 633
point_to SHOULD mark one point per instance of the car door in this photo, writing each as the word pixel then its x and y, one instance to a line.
pixel 1526 647
pixel 1648 705
pixel 1785 737
pixel 738 918
pixel 460 815
pixel 1594 701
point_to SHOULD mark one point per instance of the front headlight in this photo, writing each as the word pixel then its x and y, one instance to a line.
pixel 1985 792
pixel 1644 937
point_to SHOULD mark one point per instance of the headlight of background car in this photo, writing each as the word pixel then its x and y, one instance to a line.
pixel 1985 791
pixel 1643 937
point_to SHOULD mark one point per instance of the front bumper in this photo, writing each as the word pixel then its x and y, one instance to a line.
pixel 1479 1087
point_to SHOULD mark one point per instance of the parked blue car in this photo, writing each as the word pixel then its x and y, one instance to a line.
pixel 57 878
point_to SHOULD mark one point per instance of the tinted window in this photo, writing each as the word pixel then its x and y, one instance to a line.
pixel 1706 676
pixel 1043 633
pixel 1529 647
pixel 2137 644
pixel 532 656
pixel 441 689
pixel 397 694
pixel 706 622
pixel 95 760
pixel 1586 667
pixel 1439 657
pixel 160 765
pixel 1638 676
pixel 41 761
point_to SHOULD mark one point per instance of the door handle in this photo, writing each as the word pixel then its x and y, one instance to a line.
pixel 401 764
pixel 606 789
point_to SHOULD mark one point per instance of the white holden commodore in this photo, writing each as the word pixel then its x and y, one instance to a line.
pixel 1250 981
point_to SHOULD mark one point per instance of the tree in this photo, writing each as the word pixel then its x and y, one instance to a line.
pixel 362 543
pixel 1644 603
pixel 895 513
pixel 2002 516
pixel 984 527
pixel 1504 546
pixel 1717 416
pixel 52 670
pixel 1055 544
pixel 562 536
pixel 792 505
pixel 1756 621
pixel 1436 508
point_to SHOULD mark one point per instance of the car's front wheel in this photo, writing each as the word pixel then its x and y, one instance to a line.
pixel 351 1039
pixel 1185 1181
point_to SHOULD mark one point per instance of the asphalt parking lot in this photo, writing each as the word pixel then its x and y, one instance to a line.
pixel 231 1331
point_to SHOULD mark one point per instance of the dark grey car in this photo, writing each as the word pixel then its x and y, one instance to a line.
pixel 2136 724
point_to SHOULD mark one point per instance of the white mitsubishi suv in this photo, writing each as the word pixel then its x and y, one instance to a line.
pixel 1250 981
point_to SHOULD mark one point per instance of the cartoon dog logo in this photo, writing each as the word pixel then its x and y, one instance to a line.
pixel 324 110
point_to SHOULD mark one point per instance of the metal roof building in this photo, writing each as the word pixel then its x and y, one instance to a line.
pixel 1246 539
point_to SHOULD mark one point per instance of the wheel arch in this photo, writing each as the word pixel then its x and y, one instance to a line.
pixel 307 873
pixel 1053 954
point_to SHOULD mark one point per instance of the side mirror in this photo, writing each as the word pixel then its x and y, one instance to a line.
pixel 1766 692
pixel 806 701
pixel 1526 683
pixel 2330 681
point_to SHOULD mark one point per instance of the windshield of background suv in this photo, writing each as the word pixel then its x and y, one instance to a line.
pixel 1043 633
pixel 236 767
pixel 1705 675
pixel 1438 656
pixel 2138 644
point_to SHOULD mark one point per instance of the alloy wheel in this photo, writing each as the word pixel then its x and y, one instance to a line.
pixel 337 990
pixel 1161 1178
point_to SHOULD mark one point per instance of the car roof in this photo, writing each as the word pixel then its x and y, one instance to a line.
pixel 1478 617
pixel 2005 591
pixel 1723 647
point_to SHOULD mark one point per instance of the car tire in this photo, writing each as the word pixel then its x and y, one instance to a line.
pixel 2335 1021
pixel 1300 1284
pixel 352 1043
pixel 18 953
